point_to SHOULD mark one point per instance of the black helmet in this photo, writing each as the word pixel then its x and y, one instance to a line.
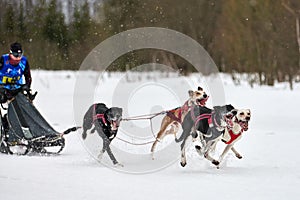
pixel 16 49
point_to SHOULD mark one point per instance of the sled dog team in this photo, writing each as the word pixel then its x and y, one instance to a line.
pixel 205 125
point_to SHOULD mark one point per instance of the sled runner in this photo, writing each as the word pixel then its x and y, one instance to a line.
pixel 23 129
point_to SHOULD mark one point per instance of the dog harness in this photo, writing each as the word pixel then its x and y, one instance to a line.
pixel 98 116
pixel 209 116
pixel 171 114
pixel 232 135
pixel 182 109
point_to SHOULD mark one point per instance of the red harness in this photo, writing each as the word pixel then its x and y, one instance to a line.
pixel 182 109
pixel 233 136
pixel 171 114
pixel 209 116
pixel 98 116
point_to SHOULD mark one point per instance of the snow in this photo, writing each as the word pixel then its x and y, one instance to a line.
pixel 269 168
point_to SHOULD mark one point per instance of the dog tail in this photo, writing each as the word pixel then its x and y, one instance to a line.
pixel 69 130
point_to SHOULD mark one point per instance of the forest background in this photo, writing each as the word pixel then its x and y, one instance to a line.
pixel 258 37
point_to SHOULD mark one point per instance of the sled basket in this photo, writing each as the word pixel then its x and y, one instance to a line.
pixel 28 128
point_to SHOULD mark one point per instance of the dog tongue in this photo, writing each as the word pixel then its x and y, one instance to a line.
pixel 114 125
pixel 244 125
pixel 203 101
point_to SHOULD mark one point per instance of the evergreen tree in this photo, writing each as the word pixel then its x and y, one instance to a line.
pixel 81 23
pixel 55 29
pixel 9 21
pixel 21 24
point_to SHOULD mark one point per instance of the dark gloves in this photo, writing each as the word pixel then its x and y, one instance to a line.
pixel 3 97
pixel 27 90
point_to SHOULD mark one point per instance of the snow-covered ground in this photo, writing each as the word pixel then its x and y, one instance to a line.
pixel 269 168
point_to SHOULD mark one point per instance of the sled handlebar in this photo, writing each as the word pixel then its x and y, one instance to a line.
pixel 24 88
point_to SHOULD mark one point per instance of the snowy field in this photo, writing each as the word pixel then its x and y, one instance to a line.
pixel 269 168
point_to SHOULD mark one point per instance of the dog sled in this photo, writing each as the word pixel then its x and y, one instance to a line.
pixel 23 129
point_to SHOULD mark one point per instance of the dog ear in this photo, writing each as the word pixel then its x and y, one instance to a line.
pixel 229 107
pixel 121 110
pixel 200 88
pixel 191 92
pixel 217 107
pixel 234 112
pixel 107 111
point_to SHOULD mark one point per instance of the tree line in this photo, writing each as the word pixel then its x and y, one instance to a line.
pixel 260 38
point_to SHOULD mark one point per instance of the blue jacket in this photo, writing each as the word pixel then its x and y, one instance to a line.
pixel 11 76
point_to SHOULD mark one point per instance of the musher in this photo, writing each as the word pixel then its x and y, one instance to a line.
pixel 14 68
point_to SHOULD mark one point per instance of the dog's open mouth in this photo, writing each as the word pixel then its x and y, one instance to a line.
pixel 115 125
pixel 202 102
pixel 244 125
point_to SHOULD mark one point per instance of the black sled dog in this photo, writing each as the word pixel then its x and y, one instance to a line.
pixel 106 122
pixel 210 124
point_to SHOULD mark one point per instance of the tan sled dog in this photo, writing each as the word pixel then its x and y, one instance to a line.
pixel 174 118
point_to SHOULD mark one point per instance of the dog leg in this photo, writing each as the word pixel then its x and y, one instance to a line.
pixel 183 157
pixel 200 147
pixel 227 148
pixel 100 155
pixel 173 130
pixel 107 148
pixel 161 134
pixel 84 134
pixel 106 143
pixel 237 154
pixel 207 152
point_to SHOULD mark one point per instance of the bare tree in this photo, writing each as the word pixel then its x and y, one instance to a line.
pixel 296 14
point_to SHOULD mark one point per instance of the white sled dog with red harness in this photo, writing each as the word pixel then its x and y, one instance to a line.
pixel 237 122
pixel 234 133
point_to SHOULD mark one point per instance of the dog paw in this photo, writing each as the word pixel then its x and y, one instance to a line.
pixel 239 156
pixel 118 165
pixel 100 156
pixel 84 136
pixel 215 162
pixel 183 164
pixel 152 157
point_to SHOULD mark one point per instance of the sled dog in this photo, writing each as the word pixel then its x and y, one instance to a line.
pixel 236 123
pixel 174 118
pixel 106 122
pixel 234 132
pixel 206 124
